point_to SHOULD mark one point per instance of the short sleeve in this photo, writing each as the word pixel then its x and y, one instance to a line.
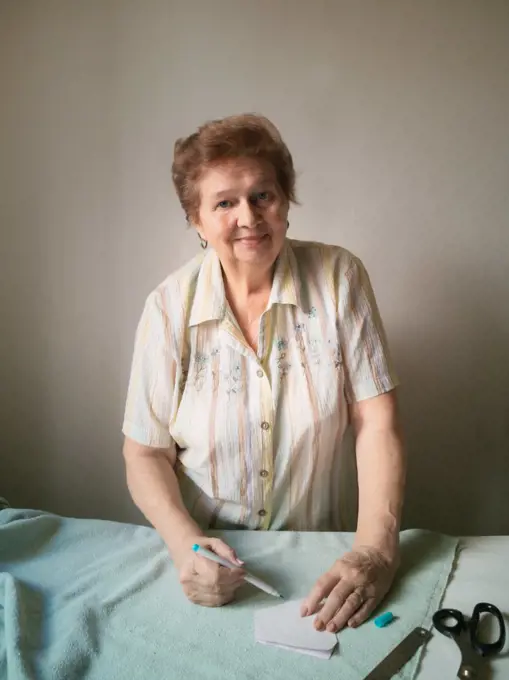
pixel 150 392
pixel 367 363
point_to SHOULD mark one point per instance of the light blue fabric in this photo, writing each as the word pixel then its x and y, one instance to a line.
pixel 101 600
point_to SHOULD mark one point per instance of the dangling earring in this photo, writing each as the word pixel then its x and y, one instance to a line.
pixel 203 242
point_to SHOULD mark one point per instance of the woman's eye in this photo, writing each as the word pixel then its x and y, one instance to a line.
pixel 223 204
pixel 263 195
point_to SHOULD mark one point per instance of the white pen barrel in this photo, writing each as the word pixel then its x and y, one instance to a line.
pixel 260 584
pixel 215 558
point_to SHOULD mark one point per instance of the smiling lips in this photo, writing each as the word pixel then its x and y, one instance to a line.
pixel 252 240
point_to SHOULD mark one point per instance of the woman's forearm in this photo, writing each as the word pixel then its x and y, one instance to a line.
pixel 381 470
pixel 154 488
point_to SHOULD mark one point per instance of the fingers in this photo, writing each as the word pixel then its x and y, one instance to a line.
pixel 208 593
pixel 223 550
pixel 363 613
pixel 210 575
pixel 321 589
pixel 353 604
pixel 207 583
pixel 208 598
pixel 233 577
pixel 353 586
pixel 343 594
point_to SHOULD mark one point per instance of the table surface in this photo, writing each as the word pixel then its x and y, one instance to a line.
pixel 85 576
pixel 481 575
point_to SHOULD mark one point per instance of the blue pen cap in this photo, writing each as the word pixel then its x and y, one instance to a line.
pixel 383 619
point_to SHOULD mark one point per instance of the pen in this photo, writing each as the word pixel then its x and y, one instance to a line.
pixel 257 582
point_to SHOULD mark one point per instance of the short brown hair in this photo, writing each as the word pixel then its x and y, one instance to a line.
pixel 239 136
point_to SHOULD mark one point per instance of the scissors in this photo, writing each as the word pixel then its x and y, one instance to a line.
pixel 465 632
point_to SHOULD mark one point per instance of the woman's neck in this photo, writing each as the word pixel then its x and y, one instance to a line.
pixel 248 297
pixel 245 283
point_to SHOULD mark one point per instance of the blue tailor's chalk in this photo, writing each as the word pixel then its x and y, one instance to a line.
pixel 383 619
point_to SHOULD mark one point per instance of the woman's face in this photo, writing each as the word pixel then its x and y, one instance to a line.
pixel 242 213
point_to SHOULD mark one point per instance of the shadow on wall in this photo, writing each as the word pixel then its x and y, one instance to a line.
pixel 61 392
pixel 455 405
pixel 454 401
pixel 24 400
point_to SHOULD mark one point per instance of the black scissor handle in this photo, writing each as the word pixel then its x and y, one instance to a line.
pixel 441 617
pixel 486 648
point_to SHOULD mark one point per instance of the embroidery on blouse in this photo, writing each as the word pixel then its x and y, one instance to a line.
pixel 301 345
pixel 315 350
pixel 335 350
pixel 233 380
pixel 201 366
pixel 282 364
pixel 313 353
pixel 336 356
pixel 200 370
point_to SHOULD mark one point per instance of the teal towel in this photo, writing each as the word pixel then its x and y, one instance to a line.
pixel 101 600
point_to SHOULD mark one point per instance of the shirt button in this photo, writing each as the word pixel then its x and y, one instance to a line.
pixel 265 425
pixel 262 512
pixel 259 373
pixel 264 473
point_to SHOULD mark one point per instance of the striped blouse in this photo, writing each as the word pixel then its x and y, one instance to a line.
pixel 256 436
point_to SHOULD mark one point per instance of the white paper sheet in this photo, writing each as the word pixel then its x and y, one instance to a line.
pixel 283 626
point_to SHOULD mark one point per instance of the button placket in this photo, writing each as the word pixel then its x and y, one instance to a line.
pixel 265 478
pixel 265 474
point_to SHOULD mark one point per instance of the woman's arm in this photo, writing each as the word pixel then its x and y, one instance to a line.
pixel 150 470
pixel 360 579
pixel 154 488
pixel 381 471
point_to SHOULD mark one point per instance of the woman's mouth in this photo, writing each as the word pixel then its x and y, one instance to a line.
pixel 253 240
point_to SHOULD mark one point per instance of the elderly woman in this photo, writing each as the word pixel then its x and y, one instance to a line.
pixel 249 362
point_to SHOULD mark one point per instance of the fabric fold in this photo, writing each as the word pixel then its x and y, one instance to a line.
pixel 102 601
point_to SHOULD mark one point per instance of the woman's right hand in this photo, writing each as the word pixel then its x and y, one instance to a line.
pixel 204 582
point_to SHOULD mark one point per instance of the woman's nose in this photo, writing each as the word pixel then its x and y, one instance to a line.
pixel 247 215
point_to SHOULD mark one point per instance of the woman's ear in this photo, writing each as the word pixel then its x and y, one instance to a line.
pixel 198 230
pixel 195 223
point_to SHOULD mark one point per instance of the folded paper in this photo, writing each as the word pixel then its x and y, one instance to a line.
pixel 283 626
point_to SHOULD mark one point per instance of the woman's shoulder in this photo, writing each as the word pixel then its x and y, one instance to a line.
pixel 174 292
pixel 318 253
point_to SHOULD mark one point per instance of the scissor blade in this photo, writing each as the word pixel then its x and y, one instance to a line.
pixel 472 665
pixel 467 672
pixel 400 655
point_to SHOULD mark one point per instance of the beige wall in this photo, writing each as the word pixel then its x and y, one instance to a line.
pixel 397 114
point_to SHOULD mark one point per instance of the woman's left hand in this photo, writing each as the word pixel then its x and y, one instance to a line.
pixel 353 586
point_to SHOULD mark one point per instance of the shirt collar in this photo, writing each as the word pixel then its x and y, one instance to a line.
pixel 286 284
pixel 209 303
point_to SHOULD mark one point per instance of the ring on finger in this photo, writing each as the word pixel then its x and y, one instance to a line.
pixel 361 596
pixel 351 605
